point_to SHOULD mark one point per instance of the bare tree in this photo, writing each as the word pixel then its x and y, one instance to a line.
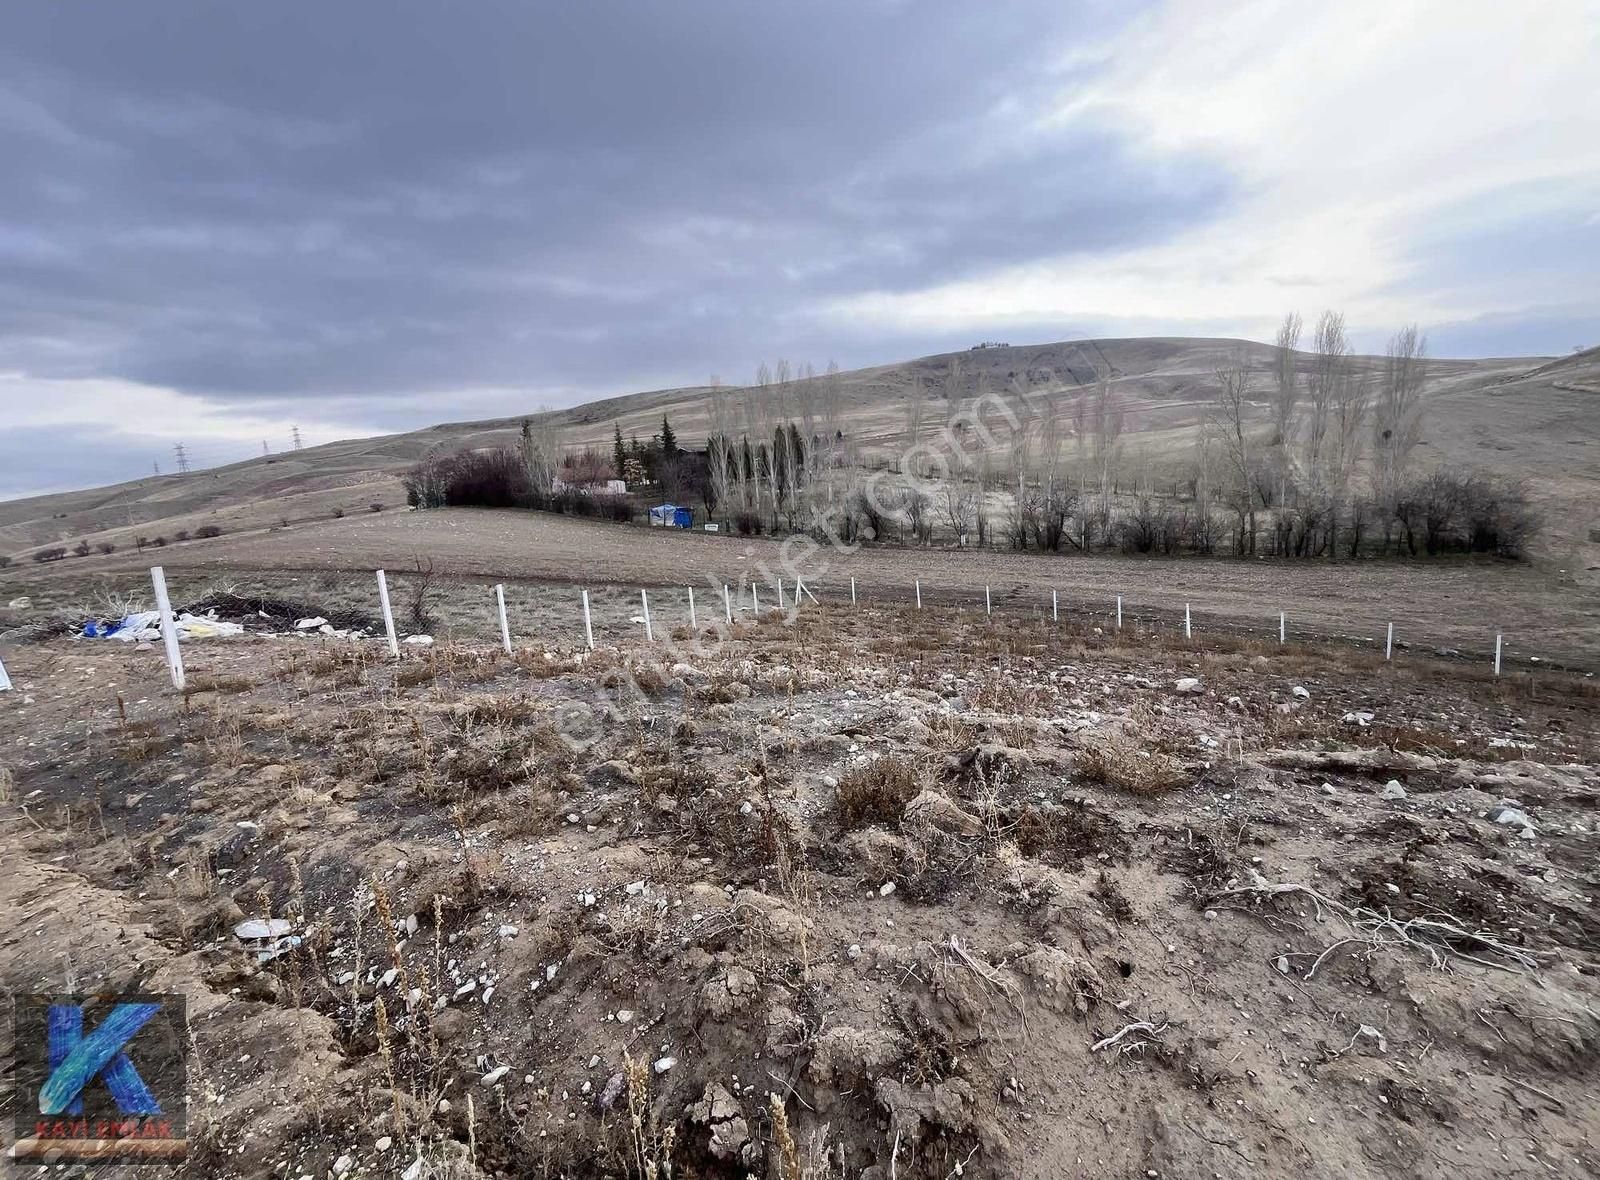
pixel 916 398
pixel 1227 414
pixel 960 505
pixel 1106 421
pixel 720 460
pixel 1330 363
pixel 1285 396
pixel 1397 418
pixel 540 444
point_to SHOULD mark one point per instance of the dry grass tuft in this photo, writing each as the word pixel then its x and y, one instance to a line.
pixel 1121 760
pixel 217 684
pixel 876 793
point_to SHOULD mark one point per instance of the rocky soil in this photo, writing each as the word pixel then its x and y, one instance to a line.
pixel 883 894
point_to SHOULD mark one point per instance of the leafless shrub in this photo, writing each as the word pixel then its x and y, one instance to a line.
pixel 1121 760
pixel 421 590
pixel 876 793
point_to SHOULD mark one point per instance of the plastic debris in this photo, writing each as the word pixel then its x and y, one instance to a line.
pixel 145 626
pixel 259 928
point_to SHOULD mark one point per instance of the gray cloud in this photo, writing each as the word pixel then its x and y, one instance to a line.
pixel 370 198
pixel 297 204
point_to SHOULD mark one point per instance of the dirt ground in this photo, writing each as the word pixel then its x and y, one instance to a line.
pixel 875 893
pixel 1458 606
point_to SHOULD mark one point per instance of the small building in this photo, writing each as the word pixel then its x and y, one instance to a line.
pixel 671 516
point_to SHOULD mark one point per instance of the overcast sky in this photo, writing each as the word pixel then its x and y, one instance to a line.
pixel 218 220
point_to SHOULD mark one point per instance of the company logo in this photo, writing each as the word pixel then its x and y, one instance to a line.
pixel 100 1078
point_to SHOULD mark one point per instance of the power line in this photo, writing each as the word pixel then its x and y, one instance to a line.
pixel 295 431
pixel 183 459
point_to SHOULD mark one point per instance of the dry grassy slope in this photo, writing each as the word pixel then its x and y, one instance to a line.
pixel 1513 416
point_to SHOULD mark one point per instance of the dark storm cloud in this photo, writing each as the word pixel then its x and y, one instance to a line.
pixel 372 198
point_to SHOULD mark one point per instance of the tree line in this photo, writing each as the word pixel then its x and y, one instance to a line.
pixel 1309 454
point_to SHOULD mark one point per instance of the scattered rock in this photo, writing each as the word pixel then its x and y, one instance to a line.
pixel 1392 790
pixel 730 1132
pixel 945 814
pixel 1188 686
pixel 728 993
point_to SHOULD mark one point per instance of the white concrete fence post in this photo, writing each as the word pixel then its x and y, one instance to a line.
pixel 727 604
pixel 1388 644
pixel 1497 653
pixel 1055 608
pixel 780 593
pixel 1283 627
pixel 852 591
pixel 1119 612
pixel 644 597
pixel 694 621
pixel 755 601
pixel 919 595
pixel 169 630
pixel 388 615
pixel 588 622
pixel 505 627
pixel 1188 627
pixel 988 608
pixel 5 680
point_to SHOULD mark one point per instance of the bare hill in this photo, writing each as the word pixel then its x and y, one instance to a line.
pixel 1533 418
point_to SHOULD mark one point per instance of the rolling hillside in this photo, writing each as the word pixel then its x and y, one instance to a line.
pixel 1529 417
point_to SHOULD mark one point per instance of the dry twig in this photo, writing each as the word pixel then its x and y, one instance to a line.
pixel 1441 938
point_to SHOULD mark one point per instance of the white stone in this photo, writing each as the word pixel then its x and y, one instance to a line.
pixel 494 1075
pixel 1189 685
pixel 665 1063
pixel 1392 790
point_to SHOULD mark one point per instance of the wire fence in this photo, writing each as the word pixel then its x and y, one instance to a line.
pixel 577 617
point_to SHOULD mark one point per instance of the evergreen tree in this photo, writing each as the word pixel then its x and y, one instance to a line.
pixel 618 452
pixel 669 440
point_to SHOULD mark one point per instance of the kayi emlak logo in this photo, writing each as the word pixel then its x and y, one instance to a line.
pixel 100 1078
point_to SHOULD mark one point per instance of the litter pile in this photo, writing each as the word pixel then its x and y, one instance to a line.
pixel 145 625
pixel 279 614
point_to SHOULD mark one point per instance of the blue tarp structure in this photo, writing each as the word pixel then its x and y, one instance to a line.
pixel 671 516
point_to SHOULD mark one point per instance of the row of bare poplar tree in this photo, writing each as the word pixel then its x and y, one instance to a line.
pixel 1293 452
pixel 1304 453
